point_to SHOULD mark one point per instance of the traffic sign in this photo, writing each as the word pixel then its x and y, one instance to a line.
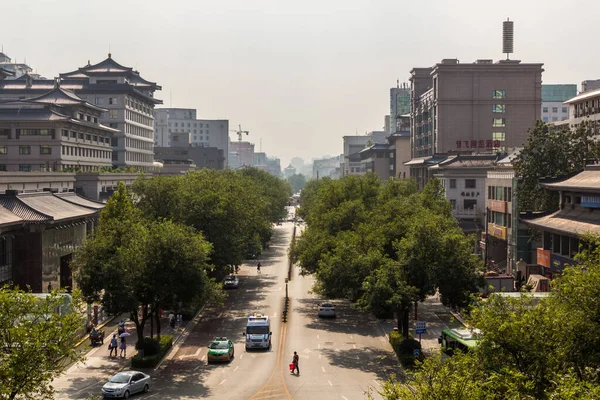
pixel 416 352
pixel 421 327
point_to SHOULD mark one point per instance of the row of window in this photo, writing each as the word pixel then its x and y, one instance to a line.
pixel 84 152
pixel 469 183
pixel 140 119
pixel 138 131
pixel 183 130
pixel 88 118
pixel 555 109
pixel 138 144
pixel 138 157
pixel 500 193
pixel 81 136
pixel 25 150
pixel 500 219
pixel 468 204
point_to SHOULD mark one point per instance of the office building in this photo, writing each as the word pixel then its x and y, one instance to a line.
pixel 473 107
pixel 245 154
pixel 352 147
pixel 14 69
pixel 128 98
pixel 399 105
pixel 203 132
pixel 56 131
pixel 553 97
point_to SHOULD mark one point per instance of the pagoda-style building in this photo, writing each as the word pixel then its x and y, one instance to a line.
pixel 128 100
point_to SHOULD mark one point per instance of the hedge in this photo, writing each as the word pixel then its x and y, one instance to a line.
pixel 166 341
pixel 405 349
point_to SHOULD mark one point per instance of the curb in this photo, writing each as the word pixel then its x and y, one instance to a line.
pixel 171 353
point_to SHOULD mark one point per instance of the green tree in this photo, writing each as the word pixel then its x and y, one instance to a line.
pixel 297 181
pixel 37 343
pixel 551 152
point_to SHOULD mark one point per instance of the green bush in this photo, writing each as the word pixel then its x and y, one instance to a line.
pixel 150 346
pixel 405 349
pixel 150 361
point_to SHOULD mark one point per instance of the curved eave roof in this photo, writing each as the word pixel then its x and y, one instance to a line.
pixel 80 201
pixel 7 218
pixel 22 210
pixel 48 204
pixel 91 125
pixel 586 181
pixel 569 222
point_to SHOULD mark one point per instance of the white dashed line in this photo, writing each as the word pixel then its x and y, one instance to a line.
pixel 222 382
pixel 236 368
pixel 351 337
pixel 317 336
pixel 203 357
pixel 354 346
pixel 323 369
pixel 241 356
pixel 330 384
pixel 319 345
pixel 319 356
pixel 344 397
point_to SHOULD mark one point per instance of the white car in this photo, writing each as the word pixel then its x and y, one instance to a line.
pixel 126 383
pixel 327 310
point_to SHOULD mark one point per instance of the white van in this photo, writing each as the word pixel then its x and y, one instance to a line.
pixel 258 332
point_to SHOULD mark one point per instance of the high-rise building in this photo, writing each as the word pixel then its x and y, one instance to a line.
pixel 15 69
pixel 128 98
pixel 553 97
pixel 473 107
pixel 203 132
pixel 244 154
pixel 399 105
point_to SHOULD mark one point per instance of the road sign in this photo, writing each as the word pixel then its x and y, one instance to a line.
pixel 421 327
pixel 416 352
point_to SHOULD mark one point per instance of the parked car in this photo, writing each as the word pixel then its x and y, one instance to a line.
pixel 327 310
pixel 231 282
pixel 126 383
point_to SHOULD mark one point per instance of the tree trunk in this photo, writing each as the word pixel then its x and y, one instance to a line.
pixel 156 310
pixel 139 327
pixel 404 322
pixel 151 321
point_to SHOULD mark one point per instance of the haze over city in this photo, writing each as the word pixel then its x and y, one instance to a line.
pixel 298 76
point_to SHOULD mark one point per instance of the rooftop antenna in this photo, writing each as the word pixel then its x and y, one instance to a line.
pixel 397 83
pixel 508 37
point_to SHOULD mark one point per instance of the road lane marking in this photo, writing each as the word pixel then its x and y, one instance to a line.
pixel 241 356
pixel 319 345
pixel 203 357
pixel 222 382
pixel 319 356
pixel 354 346
pixel 323 369
pixel 236 368
pixel 351 337
pixel 317 336
pixel 330 384
pixel 344 397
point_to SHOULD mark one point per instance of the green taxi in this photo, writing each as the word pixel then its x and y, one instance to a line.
pixel 221 349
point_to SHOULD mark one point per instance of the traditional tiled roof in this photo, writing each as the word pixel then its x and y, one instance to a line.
pixel 80 201
pixel 574 222
pixel 108 65
pixel 11 114
pixel 8 218
pixel 58 95
pixel 22 210
pixel 588 180
pixel 47 203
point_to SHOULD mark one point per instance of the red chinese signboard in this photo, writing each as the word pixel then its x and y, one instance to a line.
pixel 477 144
pixel 497 205
pixel 543 257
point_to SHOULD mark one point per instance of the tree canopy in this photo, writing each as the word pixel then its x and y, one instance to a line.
pixel 385 245
pixel 37 343
pixel 551 152
pixel 297 181
pixel 530 349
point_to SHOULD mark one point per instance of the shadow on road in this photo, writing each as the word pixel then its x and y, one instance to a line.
pixel 367 359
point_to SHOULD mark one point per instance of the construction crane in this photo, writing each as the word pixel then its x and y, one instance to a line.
pixel 239 132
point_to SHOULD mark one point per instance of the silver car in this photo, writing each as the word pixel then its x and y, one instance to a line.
pixel 124 384
pixel 327 310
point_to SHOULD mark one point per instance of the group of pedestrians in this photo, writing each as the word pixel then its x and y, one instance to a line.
pixel 173 320
pixel 115 345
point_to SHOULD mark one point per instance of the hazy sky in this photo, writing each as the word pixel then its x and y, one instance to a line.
pixel 297 74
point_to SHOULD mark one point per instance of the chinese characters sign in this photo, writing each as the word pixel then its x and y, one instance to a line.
pixel 477 144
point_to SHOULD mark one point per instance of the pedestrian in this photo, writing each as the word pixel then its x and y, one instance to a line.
pixel 113 345
pixel 258 267
pixel 179 319
pixel 295 362
pixel 123 347
pixel 121 328
pixel 172 321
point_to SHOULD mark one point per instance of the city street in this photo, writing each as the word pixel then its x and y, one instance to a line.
pixel 339 358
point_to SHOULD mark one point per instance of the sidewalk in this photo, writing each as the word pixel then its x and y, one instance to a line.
pixel 86 377
pixel 438 318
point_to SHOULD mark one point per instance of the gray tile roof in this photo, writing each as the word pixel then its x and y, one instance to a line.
pixel 22 210
pixel 11 114
pixel 573 222
pixel 8 218
pixel 48 204
pixel 80 201
pixel 588 180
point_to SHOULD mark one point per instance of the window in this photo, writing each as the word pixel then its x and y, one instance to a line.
pixel 499 94
pixel 554 109
pixel 3 167
pixel 453 202
pixel 498 136
pixel 100 100
pixel 112 100
pixel 564 109
pixel 65 133
pixel 452 183
pixel 499 122
pixel 545 109
pixel 4 131
pixel 88 137
pixel 95 120
pixel 24 167
pixel 176 124
pixel 554 119
pixel 498 108
pixel 33 132
pixel 470 183
pixel 469 204
pixel 3 150
pixel 80 116
pixel 545 119
pixel 113 114
pixel 24 149
pixel 80 136
pixel 45 149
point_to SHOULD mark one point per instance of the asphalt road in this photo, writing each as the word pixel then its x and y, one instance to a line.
pixel 339 358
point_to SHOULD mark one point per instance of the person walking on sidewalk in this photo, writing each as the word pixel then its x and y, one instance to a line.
pixel 258 268
pixel 295 362
pixel 113 345
pixel 123 347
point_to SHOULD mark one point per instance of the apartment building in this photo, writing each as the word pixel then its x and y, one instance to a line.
pixel 128 98
pixel 352 147
pixel 56 131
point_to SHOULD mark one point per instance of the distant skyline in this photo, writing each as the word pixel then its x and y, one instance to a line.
pixel 297 75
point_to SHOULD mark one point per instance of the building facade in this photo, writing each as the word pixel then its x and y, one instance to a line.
pixel 352 147
pixel 327 167
pixel 473 107
pixel 128 98
pixel 399 105
pixel 245 154
pixel 203 132
pixel 553 97
pixel 56 131
pixel 15 69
